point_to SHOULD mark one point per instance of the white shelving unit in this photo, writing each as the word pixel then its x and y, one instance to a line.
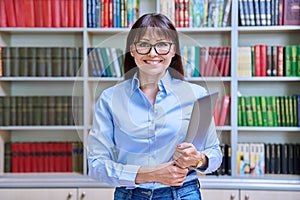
pixel 91 87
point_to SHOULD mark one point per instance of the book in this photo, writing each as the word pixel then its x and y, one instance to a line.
pixel 244 62
pixel 291 12
pixel 224 110
pixel 3 21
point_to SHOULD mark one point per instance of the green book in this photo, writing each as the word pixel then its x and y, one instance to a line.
pixel 278 111
pixel 48 61
pixel 44 110
pixel 71 61
pixel 41 61
pixel 282 111
pixel 254 111
pixel 23 61
pixel 64 111
pixel 298 60
pixel 288 61
pixel 197 62
pixel 1 111
pixel 32 69
pixel 56 54
pixel 244 113
pixel 64 62
pixel 296 110
pixel 293 60
pixel 287 111
pixel 14 61
pixel 7 157
pixel 291 110
pixel 13 111
pixel 269 111
pixel 264 110
pixel 30 114
pixel 274 110
pixel 105 61
pixel 58 110
pixel 19 111
pixel 252 61
pixel 240 120
pixel 37 111
pixel 6 61
pixel 259 110
pixel 24 111
pixel 249 111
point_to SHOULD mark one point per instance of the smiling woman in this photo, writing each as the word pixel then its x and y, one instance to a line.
pixel 136 142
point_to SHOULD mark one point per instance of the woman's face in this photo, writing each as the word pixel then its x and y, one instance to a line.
pixel 153 53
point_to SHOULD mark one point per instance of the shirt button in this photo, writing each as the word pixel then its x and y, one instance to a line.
pixel 149 193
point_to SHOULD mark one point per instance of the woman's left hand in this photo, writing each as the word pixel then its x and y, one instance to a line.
pixel 186 155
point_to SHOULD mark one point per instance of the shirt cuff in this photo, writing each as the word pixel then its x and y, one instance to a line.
pixel 128 174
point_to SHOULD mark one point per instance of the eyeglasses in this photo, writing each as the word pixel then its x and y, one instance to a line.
pixel 161 48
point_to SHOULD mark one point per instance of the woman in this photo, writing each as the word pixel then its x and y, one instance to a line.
pixel 136 142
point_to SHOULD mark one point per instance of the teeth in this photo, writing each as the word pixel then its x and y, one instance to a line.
pixel 153 62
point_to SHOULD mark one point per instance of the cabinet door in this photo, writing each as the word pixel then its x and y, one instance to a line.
pixel 38 194
pixel 269 195
pixel 212 194
pixel 96 193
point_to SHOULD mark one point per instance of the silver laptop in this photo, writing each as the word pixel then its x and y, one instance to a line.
pixel 201 117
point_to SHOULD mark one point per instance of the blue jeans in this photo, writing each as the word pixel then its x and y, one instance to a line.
pixel 188 191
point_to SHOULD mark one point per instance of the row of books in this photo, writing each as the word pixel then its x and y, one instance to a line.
pixel 225 167
pixel 267 60
pixel 28 157
pixel 271 111
pixel 41 110
pixel 40 61
pixel 197 13
pixel 221 110
pixel 203 61
pixel 269 12
pixel 112 13
pixel 268 158
pixel 105 62
pixel 41 13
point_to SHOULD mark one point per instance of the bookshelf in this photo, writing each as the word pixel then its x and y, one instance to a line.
pixel 90 87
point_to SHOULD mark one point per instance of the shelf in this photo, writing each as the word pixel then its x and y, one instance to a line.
pixel 272 129
pixel 41 79
pixel 266 79
pixel 215 79
pixel 21 128
pixel 41 30
pixel 268 28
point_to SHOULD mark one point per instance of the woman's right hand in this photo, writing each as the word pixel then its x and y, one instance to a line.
pixel 166 173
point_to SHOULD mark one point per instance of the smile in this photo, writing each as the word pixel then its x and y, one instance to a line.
pixel 153 62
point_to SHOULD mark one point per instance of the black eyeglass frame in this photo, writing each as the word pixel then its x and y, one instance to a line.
pixel 154 45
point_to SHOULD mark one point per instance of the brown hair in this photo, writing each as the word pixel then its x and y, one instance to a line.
pixel 165 28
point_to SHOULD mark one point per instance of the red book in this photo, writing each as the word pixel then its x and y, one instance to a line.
pixel 14 157
pixel 46 156
pixel 29 13
pixel 55 7
pixel 20 13
pixel 216 112
pixel 3 22
pixel 51 157
pixel 71 13
pixel 186 13
pixel 81 13
pixel 218 61
pixel 64 18
pixel 38 8
pixel 63 147
pixel 257 60
pixel 224 110
pixel 223 61
pixel 69 157
pixel 263 60
pixel 40 156
pixel 10 13
pixel 177 8
pixel 280 60
pixel 291 10
pixel 227 61
pixel 34 157
pixel 47 13
pixel 202 60
pixel 26 157
pixel 210 61
pixel 77 12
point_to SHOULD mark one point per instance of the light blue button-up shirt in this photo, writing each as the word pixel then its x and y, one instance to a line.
pixel 128 132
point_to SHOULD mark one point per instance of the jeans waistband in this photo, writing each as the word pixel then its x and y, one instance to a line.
pixel 160 192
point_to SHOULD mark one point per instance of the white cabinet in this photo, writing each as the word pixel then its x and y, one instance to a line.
pixel 269 195
pixel 96 193
pixel 212 194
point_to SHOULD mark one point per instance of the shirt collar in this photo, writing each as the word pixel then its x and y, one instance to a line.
pixel 163 85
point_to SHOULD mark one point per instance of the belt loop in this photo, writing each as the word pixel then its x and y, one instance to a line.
pixel 129 194
pixel 174 192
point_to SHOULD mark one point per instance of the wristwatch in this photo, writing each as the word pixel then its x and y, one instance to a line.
pixel 200 162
